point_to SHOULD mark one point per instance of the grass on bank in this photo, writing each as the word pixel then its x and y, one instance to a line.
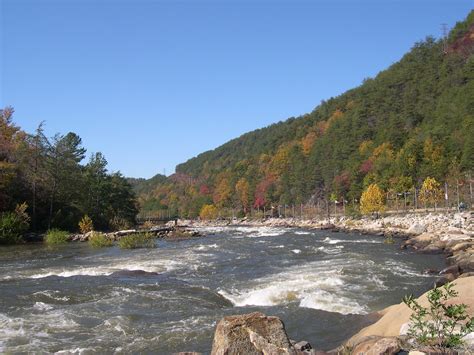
pixel 100 240
pixel 56 237
pixel 135 241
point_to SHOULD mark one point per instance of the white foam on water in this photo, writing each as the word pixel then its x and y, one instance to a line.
pixel 402 269
pixel 328 301
pixel 75 351
pixel 257 232
pixel 75 272
pixel 314 285
pixel 51 294
pixel 41 306
pixel 302 232
pixel 337 241
pixel 296 251
pixel 329 250
pixel 207 247
pixel 152 265
pixel 331 241
pixel 247 231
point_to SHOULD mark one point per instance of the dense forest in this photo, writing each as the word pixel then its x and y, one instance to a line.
pixel 412 121
pixel 43 184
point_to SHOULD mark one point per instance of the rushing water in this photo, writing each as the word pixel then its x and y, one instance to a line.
pixel 72 299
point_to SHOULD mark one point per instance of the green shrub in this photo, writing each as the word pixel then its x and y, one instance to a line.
pixel 100 240
pixel 13 225
pixel 134 241
pixel 56 236
pixel 441 325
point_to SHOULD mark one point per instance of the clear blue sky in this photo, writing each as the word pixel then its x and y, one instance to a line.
pixel 153 83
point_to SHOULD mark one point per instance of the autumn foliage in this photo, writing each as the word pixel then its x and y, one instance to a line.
pixel 372 200
pixel 208 212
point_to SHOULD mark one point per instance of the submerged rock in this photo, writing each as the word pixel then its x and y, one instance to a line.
pixel 251 334
pixel 133 273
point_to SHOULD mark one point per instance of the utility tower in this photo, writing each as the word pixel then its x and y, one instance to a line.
pixel 444 30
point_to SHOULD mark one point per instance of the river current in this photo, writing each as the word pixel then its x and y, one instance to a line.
pixel 78 300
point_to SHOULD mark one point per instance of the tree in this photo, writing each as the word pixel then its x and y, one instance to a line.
pixel 208 212
pixel 66 152
pixel 242 189
pixel 430 192
pixel 372 200
pixel 223 191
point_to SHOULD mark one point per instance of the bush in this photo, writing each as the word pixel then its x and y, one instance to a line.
pixel 100 240
pixel 13 225
pixel 208 212
pixel 134 241
pixel 56 236
pixel 118 223
pixel 441 325
pixel 86 225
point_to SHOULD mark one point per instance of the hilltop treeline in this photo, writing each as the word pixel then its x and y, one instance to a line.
pixel 412 121
pixel 44 181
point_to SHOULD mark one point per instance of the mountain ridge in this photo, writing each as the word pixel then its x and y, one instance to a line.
pixel 410 121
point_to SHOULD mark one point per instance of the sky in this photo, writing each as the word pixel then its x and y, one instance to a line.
pixel 151 84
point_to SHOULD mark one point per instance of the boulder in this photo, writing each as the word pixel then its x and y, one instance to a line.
pixel 450 270
pixel 466 263
pixel 252 334
pixel 327 226
pixel 377 346
pixel 444 279
pixel 416 229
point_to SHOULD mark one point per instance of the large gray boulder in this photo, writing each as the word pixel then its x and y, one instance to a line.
pixel 416 229
pixel 251 334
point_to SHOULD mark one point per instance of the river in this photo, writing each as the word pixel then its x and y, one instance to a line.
pixel 75 299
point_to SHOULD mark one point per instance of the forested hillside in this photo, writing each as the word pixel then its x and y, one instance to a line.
pixel 43 184
pixel 412 121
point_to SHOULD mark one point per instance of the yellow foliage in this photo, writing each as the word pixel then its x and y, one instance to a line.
pixel 366 147
pixel 372 200
pixel 384 151
pixel 208 212
pixel 223 190
pixel 430 191
pixel 242 188
pixel 281 159
pixel 86 225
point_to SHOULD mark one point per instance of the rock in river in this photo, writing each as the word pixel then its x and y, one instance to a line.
pixel 251 334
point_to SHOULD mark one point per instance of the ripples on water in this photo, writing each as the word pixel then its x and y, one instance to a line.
pixel 74 299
